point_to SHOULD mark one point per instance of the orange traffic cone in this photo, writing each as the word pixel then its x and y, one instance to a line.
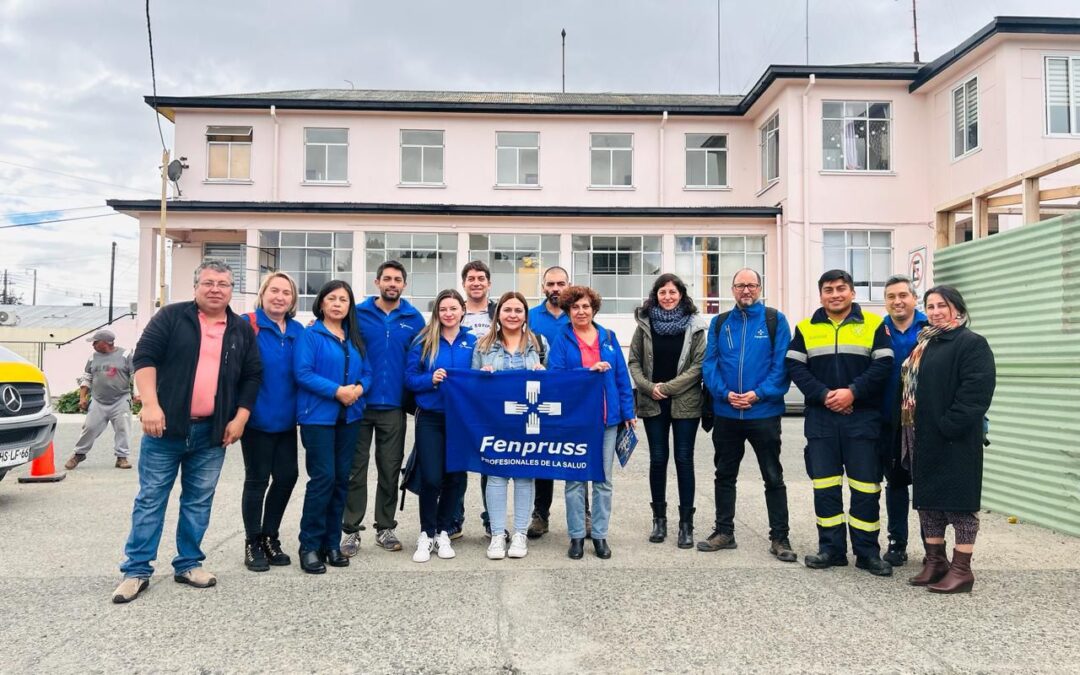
pixel 43 469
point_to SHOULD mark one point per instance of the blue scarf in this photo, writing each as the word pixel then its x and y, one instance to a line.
pixel 668 321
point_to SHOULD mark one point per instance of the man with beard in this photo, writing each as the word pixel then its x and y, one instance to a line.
pixel 388 323
pixel 546 319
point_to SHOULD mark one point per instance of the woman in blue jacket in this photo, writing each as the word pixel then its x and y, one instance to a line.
pixel 509 345
pixel 441 345
pixel 333 374
pixel 584 343
pixel 269 440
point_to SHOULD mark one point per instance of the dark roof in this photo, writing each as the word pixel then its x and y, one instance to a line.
pixel 450 209
pixel 609 103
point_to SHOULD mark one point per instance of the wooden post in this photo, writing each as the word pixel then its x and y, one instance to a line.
pixel 980 218
pixel 1030 197
pixel 945 227
pixel 161 249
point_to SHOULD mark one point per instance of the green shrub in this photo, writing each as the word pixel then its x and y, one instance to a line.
pixel 69 404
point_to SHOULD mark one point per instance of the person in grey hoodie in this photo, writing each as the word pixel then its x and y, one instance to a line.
pixel 666 354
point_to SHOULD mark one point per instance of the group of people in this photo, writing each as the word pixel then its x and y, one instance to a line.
pixel 209 377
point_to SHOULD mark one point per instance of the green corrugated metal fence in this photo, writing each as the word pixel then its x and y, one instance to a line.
pixel 1023 293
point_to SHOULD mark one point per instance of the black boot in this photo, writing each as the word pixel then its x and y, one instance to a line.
pixel 686 527
pixel 254 557
pixel 310 563
pixel 271 546
pixel 659 522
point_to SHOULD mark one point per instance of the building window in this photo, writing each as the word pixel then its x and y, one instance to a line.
pixel 612 160
pixel 1062 95
pixel 517 156
pixel 706 160
pixel 965 117
pixel 856 135
pixel 421 157
pixel 866 255
pixel 516 260
pixel 430 260
pixel 708 264
pixel 620 268
pixel 310 258
pixel 769 145
pixel 228 151
pixel 232 254
pixel 326 155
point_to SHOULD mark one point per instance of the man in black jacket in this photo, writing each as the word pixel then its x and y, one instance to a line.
pixel 197 367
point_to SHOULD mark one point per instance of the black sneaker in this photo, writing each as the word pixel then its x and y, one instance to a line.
pixel 824 560
pixel 896 555
pixel 271 547
pixel 254 558
pixel 874 565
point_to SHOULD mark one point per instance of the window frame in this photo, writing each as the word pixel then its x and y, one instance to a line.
pixel 687 185
pixel 611 161
pixel 270 258
pixel 444 278
pixel 611 302
pixel 843 119
pixel 869 248
pixel 1072 63
pixel 229 144
pixel 765 135
pixel 962 86
pixel 326 156
pixel 691 279
pixel 517 160
pixel 401 158
pixel 543 258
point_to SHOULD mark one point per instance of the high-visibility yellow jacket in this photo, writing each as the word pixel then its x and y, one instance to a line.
pixel 855 354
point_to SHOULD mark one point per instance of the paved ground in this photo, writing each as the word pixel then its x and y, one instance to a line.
pixel 650 608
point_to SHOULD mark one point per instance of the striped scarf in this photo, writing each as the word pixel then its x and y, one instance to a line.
pixel 909 377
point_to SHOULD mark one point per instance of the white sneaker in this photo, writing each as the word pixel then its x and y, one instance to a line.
pixel 442 545
pixel 519 545
pixel 497 547
pixel 424 544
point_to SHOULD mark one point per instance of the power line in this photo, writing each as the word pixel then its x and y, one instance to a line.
pixel 153 76
pixel 68 175
pixel 35 213
pixel 56 220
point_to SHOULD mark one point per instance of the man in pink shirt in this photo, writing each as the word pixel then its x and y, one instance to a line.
pixel 198 370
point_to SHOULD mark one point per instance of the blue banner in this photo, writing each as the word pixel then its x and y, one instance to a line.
pixel 525 423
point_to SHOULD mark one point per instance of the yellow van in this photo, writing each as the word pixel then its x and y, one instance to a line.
pixel 27 423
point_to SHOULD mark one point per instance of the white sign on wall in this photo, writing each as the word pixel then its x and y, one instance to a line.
pixel 916 269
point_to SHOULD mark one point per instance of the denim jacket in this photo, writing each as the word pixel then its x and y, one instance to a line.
pixel 499 359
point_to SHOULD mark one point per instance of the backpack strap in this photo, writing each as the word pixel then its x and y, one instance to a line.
pixel 254 321
pixel 717 323
pixel 771 319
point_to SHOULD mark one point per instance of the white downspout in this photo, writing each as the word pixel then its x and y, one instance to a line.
pixel 806 194
pixel 274 162
pixel 660 164
pixel 781 269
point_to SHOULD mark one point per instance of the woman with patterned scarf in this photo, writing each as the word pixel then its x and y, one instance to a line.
pixel 947 384
pixel 666 354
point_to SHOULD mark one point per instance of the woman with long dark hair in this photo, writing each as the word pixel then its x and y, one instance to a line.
pixel 441 345
pixel 333 375
pixel 947 384
pixel 509 345
pixel 666 354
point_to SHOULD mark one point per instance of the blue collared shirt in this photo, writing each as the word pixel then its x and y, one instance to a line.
pixel 543 322
pixel 902 344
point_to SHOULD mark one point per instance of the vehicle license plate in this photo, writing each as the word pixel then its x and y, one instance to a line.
pixel 14 456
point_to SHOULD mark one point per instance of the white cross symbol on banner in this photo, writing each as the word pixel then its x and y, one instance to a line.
pixel 532 395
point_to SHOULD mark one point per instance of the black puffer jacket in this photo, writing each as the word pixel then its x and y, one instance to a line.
pixel 956 384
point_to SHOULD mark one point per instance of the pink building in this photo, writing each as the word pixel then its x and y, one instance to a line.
pixel 816 167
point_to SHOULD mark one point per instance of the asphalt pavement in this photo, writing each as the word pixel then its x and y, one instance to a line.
pixel 651 607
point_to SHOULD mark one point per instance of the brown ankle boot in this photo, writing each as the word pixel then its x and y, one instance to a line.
pixel 959 578
pixel 935 567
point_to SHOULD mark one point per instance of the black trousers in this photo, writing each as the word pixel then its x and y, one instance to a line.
pixel 266 456
pixel 729 445
pixel 438 489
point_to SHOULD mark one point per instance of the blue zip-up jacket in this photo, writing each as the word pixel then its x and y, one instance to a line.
pixel 387 338
pixel 902 344
pixel 322 364
pixel 275 408
pixel 740 358
pixel 418 372
pixel 618 390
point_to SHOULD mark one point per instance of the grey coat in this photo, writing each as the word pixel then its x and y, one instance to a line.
pixel 685 388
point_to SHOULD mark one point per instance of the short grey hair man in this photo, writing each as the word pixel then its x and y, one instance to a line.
pixel 219 266
pixel 901 279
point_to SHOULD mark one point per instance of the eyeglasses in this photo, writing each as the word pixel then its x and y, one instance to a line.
pixel 223 285
pixel 746 287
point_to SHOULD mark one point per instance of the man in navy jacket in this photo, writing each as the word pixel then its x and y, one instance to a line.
pixel 388 324
pixel 744 371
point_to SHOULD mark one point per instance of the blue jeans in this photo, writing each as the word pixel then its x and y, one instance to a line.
pixel 198 459
pixel 329 459
pixel 496 502
pixel 601 496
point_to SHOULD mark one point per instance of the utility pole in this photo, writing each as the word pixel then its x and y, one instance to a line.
pixel 33 300
pixel 719 69
pixel 4 299
pixel 161 234
pixel 564 60
pixel 915 25
pixel 112 279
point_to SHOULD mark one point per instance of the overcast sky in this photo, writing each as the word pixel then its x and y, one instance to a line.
pixel 73 74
